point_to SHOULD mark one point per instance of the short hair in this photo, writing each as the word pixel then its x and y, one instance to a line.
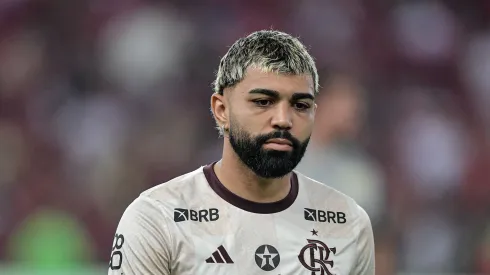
pixel 268 50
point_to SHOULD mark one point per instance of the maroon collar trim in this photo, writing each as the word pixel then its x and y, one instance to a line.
pixel 247 205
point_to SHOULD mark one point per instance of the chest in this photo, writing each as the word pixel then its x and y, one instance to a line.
pixel 278 244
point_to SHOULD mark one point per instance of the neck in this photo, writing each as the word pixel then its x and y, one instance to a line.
pixel 243 182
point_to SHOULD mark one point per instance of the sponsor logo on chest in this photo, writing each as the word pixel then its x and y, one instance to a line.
pixel 203 215
pixel 315 215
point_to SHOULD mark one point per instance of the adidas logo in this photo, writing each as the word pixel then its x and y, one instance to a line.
pixel 220 256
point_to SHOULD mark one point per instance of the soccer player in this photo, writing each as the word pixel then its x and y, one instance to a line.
pixel 250 212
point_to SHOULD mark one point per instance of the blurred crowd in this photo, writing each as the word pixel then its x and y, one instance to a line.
pixel 102 99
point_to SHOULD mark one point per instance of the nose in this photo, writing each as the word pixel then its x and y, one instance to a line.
pixel 282 118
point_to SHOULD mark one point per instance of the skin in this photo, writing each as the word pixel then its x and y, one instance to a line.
pixel 292 107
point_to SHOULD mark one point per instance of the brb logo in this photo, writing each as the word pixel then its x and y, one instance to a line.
pixel 324 216
pixel 204 215
pixel 318 254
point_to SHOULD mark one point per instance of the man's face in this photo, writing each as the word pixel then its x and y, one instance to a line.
pixel 270 121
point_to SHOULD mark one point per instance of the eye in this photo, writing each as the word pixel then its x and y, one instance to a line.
pixel 301 106
pixel 263 102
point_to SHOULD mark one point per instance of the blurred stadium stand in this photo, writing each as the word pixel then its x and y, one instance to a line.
pixel 101 99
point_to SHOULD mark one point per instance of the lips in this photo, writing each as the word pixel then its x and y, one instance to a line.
pixel 280 141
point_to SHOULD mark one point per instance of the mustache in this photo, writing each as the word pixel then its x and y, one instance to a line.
pixel 262 139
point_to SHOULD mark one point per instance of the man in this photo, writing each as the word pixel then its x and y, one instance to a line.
pixel 250 213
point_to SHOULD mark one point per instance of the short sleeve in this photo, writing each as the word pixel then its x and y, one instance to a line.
pixel 365 246
pixel 142 243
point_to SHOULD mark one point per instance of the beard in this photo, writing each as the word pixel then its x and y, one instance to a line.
pixel 266 163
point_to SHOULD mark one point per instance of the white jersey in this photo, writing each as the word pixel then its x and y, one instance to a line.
pixel 194 225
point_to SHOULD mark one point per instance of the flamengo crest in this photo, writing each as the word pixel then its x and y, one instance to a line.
pixel 319 254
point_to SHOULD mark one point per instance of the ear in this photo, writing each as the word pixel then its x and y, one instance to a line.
pixel 220 110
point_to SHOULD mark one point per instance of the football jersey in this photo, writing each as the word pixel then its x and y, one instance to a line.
pixel 194 225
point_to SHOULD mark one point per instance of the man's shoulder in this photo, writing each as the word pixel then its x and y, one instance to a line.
pixel 321 193
pixel 320 188
pixel 177 187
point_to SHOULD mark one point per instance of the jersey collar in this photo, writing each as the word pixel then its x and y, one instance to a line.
pixel 247 205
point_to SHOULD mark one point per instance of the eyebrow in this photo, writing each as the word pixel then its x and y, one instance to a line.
pixel 275 94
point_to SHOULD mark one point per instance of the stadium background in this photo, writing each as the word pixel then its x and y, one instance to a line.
pixel 101 99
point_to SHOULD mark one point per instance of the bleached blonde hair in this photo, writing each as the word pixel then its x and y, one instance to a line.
pixel 269 50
